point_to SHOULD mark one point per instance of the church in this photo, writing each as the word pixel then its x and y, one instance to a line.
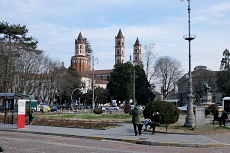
pixel 83 60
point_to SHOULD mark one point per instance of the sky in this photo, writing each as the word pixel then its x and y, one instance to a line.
pixel 57 23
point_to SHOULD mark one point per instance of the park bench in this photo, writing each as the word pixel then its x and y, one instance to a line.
pixel 160 125
pixel 213 121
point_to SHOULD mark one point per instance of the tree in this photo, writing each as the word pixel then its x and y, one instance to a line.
pixel 143 89
pixel 69 80
pixel 167 71
pixel 14 44
pixel 149 57
pixel 223 77
pixel 120 86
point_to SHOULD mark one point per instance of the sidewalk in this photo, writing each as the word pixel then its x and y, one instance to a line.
pixel 125 133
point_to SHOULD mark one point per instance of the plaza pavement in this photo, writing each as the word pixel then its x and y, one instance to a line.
pixel 125 133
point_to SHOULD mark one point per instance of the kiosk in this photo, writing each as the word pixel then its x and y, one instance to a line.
pixel 15 103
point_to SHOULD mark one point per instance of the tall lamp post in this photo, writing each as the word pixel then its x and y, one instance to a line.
pixel 134 98
pixel 190 119
pixel 93 84
pixel 72 95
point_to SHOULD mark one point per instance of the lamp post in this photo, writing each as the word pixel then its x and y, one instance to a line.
pixel 190 119
pixel 134 98
pixel 93 84
pixel 72 96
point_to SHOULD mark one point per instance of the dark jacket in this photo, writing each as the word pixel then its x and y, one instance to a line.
pixel 136 112
pixel 156 118
pixel 224 116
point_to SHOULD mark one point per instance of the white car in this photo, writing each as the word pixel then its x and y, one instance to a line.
pixel 112 108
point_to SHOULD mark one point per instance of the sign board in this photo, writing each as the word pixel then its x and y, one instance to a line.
pixel 22 113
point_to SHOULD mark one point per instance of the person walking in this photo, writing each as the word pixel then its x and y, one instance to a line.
pixel 155 120
pixel 136 119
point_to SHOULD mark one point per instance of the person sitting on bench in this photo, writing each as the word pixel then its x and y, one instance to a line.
pixel 155 120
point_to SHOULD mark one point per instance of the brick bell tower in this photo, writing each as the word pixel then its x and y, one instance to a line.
pixel 119 48
pixel 137 53
pixel 80 61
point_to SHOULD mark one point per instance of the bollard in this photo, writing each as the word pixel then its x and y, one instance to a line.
pixel 1 149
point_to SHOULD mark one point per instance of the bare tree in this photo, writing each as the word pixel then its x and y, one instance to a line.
pixel 167 71
pixel 149 57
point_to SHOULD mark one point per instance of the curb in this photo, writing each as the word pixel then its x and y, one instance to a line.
pixel 141 142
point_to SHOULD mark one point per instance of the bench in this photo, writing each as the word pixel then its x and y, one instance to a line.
pixel 213 121
pixel 160 125
pixel 164 125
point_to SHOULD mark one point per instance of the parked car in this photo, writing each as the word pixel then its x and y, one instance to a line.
pixel 54 108
pixel 112 108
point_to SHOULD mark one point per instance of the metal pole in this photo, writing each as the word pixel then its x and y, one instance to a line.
pixel 134 98
pixel 93 103
pixel 72 96
pixel 190 119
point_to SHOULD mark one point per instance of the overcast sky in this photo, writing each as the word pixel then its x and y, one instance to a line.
pixel 57 23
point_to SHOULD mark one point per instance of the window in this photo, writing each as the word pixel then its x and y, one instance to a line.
pixel 118 52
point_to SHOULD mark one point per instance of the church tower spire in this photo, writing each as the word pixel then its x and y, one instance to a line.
pixel 119 48
pixel 80 61
pixel 137 53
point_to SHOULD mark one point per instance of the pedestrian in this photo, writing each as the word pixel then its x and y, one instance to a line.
pixel 223 118
pixel 146 123
pixel 155 120
pixel 136 119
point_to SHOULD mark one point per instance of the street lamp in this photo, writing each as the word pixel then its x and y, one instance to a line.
pixel 93 84
pixel 190 119
pixel 134 98
pixel 72 95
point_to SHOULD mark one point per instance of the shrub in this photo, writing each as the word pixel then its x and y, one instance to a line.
pixel 207 111
pixel 169 112
pixel 127 108
pixel 98 111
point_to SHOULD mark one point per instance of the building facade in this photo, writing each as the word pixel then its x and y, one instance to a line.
pixel 200 75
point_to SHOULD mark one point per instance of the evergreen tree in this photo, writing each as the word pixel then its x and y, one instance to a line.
pixel 120 86
pixel 143 89
pixel 223 77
